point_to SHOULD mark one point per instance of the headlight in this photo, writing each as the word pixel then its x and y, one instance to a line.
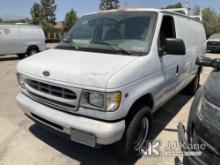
pixel 100 101
pixel 96 99
pixel 21 79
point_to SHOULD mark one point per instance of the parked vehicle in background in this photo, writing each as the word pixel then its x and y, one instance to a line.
pixel 21 40
pixel 103 82
pixel 204 121
pixel 213 43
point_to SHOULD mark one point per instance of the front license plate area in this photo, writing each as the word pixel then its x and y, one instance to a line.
pixel 83 137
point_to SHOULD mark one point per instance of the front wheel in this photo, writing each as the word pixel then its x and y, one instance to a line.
pixel 135 136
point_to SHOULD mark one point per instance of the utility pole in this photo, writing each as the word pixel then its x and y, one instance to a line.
pixel 201 14
pixel 186 5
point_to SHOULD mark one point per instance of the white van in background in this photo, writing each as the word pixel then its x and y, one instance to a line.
pixel 21 40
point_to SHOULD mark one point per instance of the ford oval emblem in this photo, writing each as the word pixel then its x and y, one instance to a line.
pixel 46 73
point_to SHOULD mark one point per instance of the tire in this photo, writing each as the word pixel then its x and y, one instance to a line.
pixel 32 50
pixel 134 137
pixel 21 56
pixel 193 86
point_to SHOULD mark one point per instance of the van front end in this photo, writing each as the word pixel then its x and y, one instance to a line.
pixel 62 90
pixel 54 106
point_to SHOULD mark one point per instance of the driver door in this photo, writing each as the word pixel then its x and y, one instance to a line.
pixel 169 63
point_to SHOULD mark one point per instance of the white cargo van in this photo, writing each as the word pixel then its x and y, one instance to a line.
pixel 112 71
pixel 21 40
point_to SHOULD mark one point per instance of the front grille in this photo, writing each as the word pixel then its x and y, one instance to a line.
pixel 51 89
pixel 50 102
pixel 56 96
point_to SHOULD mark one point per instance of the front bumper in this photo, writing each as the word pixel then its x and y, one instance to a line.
pixel 80 129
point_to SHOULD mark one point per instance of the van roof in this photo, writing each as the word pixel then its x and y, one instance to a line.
pixel 126 9
pixel 21 25
pixel 134 9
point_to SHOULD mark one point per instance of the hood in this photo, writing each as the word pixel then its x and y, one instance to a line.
pixel 212 88
pixel 82 69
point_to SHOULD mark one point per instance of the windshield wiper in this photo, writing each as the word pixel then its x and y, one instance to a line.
pixel 115 47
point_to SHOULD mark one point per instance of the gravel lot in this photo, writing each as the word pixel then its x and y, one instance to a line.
pixel 23 142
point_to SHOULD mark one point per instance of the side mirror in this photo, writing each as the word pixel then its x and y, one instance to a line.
pixel 208 62
pixel 175 46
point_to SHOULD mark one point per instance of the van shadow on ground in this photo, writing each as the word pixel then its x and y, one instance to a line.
pixel 8 58
pixel 86 155
pixel 165 114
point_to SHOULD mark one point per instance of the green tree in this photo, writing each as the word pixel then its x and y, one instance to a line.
pixel 109 4
pixel 196 10
pixel 43 14
pixel 49 9
pixel 70 20
pixel 210 19
pixel 37 13
pixel 48 27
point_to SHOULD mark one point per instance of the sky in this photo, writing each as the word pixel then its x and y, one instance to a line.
pixel 21 8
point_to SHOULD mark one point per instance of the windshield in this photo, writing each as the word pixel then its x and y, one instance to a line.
pixel 215 36
pixel 122 32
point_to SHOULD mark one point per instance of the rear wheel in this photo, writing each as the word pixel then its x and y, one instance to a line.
pixel 135 136
pixel 193 86
pixel 32 50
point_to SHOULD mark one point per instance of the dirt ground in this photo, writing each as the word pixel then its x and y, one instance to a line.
pixel 24 143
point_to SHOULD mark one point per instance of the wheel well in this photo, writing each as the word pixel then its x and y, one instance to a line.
pixel 33 47
pixel 146 100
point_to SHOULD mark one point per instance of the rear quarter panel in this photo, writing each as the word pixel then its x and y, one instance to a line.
pixel 193 34
pixel 9 39
pixel 32 36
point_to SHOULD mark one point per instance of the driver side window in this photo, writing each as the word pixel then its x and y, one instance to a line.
pixel 167 31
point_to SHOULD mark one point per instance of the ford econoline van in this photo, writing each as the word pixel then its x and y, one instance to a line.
pixel 23 40
pixel 110 73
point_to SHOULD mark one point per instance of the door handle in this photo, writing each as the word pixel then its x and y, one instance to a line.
pixel 177 70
